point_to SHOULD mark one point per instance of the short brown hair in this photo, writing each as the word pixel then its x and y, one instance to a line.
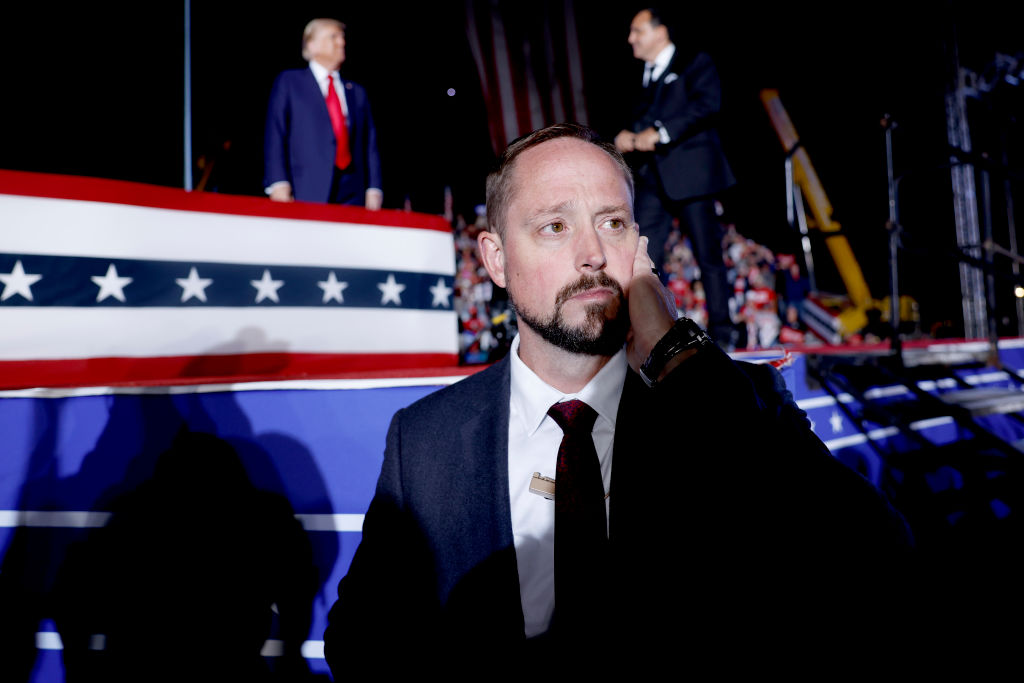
pixel 499 181
pixel 312 27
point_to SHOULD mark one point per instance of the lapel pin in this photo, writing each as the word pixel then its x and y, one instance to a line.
pixel 542 486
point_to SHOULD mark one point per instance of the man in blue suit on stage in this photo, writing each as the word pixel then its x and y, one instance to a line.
pixel 617 490
pixel 320 143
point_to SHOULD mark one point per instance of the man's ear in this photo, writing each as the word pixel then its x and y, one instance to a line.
pixel 492 253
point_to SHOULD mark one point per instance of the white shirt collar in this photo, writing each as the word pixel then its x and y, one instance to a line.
pixel 320 73
pixel 662 60
pixel 532 396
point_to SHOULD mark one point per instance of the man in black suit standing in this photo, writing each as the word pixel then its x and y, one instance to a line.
pixel 672 144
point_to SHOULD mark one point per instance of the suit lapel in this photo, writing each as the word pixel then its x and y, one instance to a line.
pixel 486 597
pixel 351 118
pixel 485 435
pixel 315 101
pixel 657 86
pixel 627 454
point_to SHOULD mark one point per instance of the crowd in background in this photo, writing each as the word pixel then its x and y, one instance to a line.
pixel 486 321
pixel 767 290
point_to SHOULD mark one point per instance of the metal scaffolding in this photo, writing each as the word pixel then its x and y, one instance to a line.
pixel 965 210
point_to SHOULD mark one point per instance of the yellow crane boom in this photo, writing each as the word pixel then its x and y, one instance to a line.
pixel 807 179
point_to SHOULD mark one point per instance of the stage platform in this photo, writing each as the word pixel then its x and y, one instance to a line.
pixel 293 334
pixel 938 432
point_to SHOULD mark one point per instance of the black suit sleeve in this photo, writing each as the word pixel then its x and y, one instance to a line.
pixel 387 598
pixel 774 524
pixel 690 102
pixel 767 433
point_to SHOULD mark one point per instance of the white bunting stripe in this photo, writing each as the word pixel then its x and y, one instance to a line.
pixel 88 519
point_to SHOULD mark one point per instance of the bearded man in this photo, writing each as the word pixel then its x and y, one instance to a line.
pixel 668 529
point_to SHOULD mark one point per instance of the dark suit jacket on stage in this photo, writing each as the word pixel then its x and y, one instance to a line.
pixel 299 143
pixel 685 100
pixel 727 515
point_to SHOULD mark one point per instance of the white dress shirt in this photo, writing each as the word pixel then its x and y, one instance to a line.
pixel 660 63
pixel 320 73
pixel 533 440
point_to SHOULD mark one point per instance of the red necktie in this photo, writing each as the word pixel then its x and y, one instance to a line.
pixel 581 532
pixel 342 157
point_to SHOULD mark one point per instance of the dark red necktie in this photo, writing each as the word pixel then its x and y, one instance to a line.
pixel 342 158
pixel 581 531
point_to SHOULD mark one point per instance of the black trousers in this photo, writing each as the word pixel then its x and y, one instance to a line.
pixel 655 213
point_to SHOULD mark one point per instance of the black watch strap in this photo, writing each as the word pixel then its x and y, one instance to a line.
pixel 684 334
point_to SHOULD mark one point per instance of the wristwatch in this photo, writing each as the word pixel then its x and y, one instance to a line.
pixel 684 334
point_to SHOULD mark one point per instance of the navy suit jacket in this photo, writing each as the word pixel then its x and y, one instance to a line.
pixel 685 100
pixel 722 502
pixel 299 143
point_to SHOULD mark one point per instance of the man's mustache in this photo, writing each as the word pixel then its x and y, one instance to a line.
pixel 587 282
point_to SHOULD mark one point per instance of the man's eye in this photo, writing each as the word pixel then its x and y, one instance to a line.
pixel 614 224
pixel 553 228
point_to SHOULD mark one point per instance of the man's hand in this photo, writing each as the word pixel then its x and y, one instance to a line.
pixel 374 199
pixel 652 310
pixel 624 142
pixel 281 192
pixel 646 139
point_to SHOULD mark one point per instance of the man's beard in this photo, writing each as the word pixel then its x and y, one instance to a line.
pixel 602 333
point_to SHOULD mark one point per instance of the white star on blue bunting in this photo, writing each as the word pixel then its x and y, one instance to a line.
pixel 390 291
pixel 266 288
pixel 441 292
pixel 111 284
pixel 333 289
pixel 193 286
pixel 18 282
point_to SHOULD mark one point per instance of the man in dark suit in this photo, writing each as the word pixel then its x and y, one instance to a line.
pixel 320 144
pixel 672 143
pixel 725 511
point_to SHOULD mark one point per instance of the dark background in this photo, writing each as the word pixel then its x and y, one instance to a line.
pixel 97 90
